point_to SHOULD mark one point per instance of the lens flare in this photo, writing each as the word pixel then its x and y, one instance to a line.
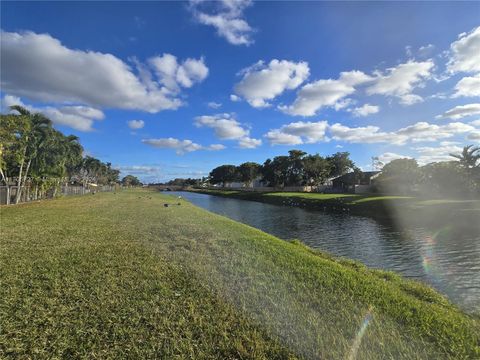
pixel 361 332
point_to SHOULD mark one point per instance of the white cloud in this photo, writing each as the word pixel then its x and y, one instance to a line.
pixel 313 96
pixel 465 53
pixel 298 133
pixel 180 146
pixel 401 80
pixel 224 125
pixel 389 156
pixel 277 137
pixel 227 128
pixel 425 51
pixel 436 154
pixel 215 147
pixel 475 122
pixel 136 124
pixel 249 143
pixel 226 17
pixel 262 82
pixel 77 117
pixel 474 135
pixel 41 68
pixel 174 75
pixel 234 98
pixel 461 111
pixel 365 134
pixel 214 105
pixel 423 131
pixel 418 132
pixel 468 86
pixel 365 110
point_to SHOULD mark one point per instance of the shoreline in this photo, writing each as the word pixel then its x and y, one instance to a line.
pixel 385 209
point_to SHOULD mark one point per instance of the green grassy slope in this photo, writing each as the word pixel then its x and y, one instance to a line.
pixel 122 276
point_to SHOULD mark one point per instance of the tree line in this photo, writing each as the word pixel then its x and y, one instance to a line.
pixel 295 169
pixel 458 177
pixel 455 178
pixel 36 156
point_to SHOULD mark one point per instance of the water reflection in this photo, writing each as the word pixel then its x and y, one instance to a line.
pixel 448 260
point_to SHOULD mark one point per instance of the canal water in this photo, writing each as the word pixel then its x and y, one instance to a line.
pixel 448 259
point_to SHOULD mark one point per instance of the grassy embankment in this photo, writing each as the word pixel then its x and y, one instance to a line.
pixel 122 276
pixel 388 208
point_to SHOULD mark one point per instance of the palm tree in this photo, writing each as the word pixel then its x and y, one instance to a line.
pixel 469 156
pixel 31 139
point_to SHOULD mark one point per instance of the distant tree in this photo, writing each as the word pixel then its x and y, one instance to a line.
pixel 23 137
pixel 340 164
pixel 399 176
pixel 223 174
pixel 248 172
pixel 295 171
pixel 275 172
pixel 316 169
pixel 446 178
pixel 131 180
pixel 469 157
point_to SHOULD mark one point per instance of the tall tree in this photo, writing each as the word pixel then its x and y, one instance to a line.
pixel 223 174
pixel 399 176
pixel 131 180
pixel 469 157
pixel 31 135
pixel 316 168
pixel 340 164
pixel 248 172
pixel 275 171
pixel 295 172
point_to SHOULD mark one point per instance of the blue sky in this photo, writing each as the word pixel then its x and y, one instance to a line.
pixel 227 82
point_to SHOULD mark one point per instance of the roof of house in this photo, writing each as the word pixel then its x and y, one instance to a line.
pixel 350 176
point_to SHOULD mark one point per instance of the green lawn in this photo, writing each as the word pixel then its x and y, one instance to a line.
pixel 122 276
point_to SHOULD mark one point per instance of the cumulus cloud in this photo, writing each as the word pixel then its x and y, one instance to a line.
pixel 474 135
pixel 135 124
pixel 77 117
pixel 401 80
pixel 235 98
pixel 313 96
pixel 226 127
pixel 41 68
pixel 249 143
pixel 214 105
pixel 389 156
pixel 180 146
pixel 460 111
pixel 298 133
pixel 174 75
pixel 226 16
pixel 428 154
pixel 465 53
pixel 364 134
pixel 262 82
pixel 468 86
pixel 365 110
pixel 418 132
pixel 423 131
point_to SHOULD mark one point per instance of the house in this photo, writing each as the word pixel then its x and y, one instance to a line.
pixel 355 182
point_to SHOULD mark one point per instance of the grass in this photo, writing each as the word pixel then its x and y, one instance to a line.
pixel 122 276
